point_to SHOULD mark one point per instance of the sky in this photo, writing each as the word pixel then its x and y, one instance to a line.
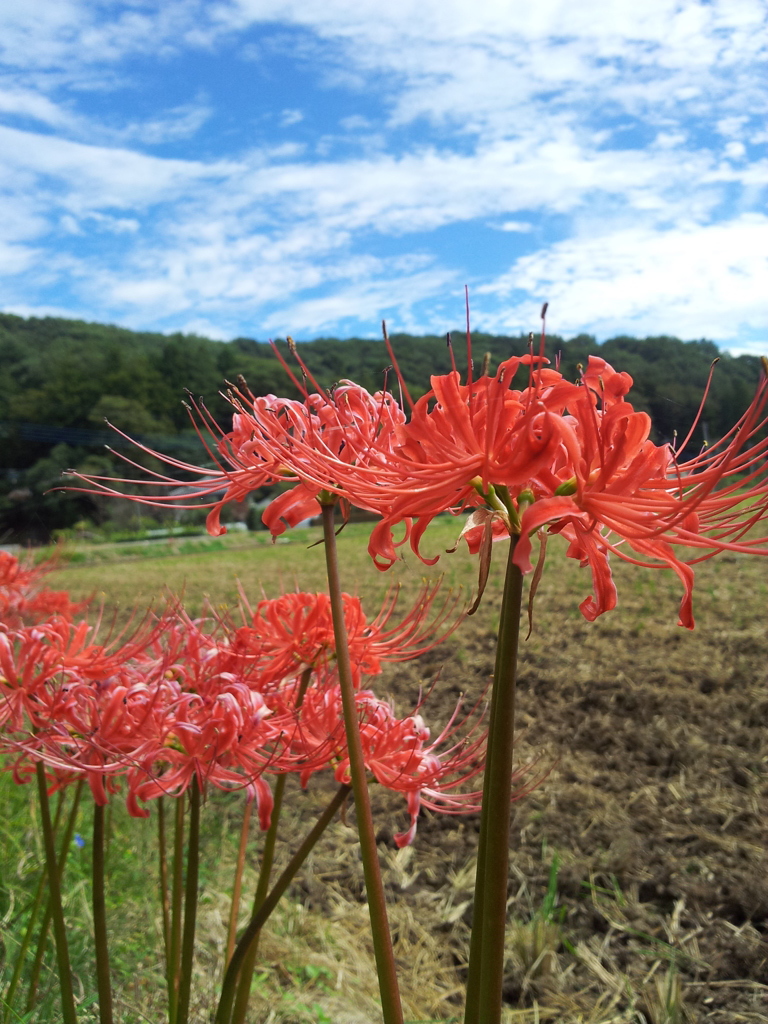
pixel 260 168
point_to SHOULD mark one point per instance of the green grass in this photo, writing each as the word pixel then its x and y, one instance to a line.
pixel 21 859
pixel 212 569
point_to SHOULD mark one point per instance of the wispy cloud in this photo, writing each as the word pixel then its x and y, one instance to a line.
pixel 693 282
pixel 26 104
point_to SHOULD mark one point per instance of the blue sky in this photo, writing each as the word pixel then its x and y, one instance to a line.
pixel 258 168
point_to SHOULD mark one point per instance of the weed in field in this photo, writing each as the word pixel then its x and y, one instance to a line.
pixel 534 944
pixel 662 1000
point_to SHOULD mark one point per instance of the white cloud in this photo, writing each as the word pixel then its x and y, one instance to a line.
pixel 735 150
pixel 468 65
pixel 206 329
pixel 70 35
pixel 290 117
pixel 387 294
pixel 698 281
pixel 96 176
pixel 18 259
pixel 264 236
pixel 119 225
pixel 520 226
pixel 180 122
pixel 26 103
pixel 356 123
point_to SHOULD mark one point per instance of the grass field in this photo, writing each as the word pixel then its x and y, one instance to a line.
pixel 639 889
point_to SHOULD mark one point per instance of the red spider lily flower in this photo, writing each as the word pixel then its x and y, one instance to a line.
pixel 397 751
pixel 197 719
pixel 463 439
pixel 102 731
pixel 225 740
pixel 154 725
pixel 34 657
pixel 288 634
pixel 16 576
pixel 574 459
pixel 347 427
pixel 552 456
pixel 22 599
pixel 473 446
pixel 238 469
pixel 44 670
pixel 626 492
pixel 294 632
pixel 27 663
pixel 273 440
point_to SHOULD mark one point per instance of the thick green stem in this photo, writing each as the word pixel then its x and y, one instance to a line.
pixel 486 964
pixel 190 904
pixel 66 842
pixel 377 907
pixel 472 994
pixel 162 853
pixel 101 947
pixel 59 929
pixel 174 959
pixel 224 1011
pixel 262 886
pixel 23 948
pixel 237 885
pixel 270 840
pixel 34 911
pixel 37 965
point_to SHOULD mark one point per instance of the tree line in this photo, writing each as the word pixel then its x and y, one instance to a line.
pixel 61 379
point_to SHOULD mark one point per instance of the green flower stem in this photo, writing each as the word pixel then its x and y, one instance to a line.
pixel 42 940
pixel 68 1014
pixel 35 910
pixel 174 959
pixel 262 886
pixel 472 994
pixel 101 947
pixel 224 1011
pixel 265 871
pixel 237 885
pixel 377 908
pixel 190 904
pixel 486 964
pixel 23 948
pixel 37 902
pixel 162 853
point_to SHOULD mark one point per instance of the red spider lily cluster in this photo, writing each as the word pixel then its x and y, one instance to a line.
pixel 350 427
pixel 551 456
pixel 228 704
pixel 23 598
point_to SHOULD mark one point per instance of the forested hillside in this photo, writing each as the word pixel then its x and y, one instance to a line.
pixel 60 379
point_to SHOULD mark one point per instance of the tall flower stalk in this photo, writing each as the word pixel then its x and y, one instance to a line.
pixel 486 954
pixel 190 905
pixel 265 873
pixel 68 1013
pixel 229 988
pixel 377 907
pixel 100 938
